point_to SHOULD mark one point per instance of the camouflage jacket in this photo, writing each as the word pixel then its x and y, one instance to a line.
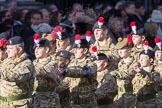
pixel 125 70
pixel 16 76
pixel 124 75
pixel 136 51
pixel 45 77
pixel 78 78
pixel 109 50
pixel 146 81
pixel 107 86
pixel 158 68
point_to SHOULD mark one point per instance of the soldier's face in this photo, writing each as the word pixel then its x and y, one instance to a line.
pixel 137 40
pixel 158 55
pixel 98 33
pixel 12 51
pixel 101 65
pixel 62 44
pixel 79 53
pixel 40 52
pixel 123 53
pixel 61 62
pixel 145 60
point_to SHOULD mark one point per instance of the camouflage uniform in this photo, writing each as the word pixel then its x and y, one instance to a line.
pixel 158 68
pixel 16 82
pixel 106 88
pixel 145 85
pixel 124 75
pixel 135 51
pixel 109 50
pixel 45 85
pixel 82 86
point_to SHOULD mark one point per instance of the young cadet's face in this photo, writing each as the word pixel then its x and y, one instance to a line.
pixel 98 33
pixel 145 60
pixel 79 53
pixel 123 53
pixel 61 61
pixel 12 51
pixel 158 55
pixel 62 44
pixel 137 40
pixel 100 65
pixel 40 52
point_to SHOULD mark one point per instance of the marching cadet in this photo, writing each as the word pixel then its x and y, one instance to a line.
pixel 3 53
pixel 124 75
pixel 104 42
pixel 63 58
pixel 81 77
pixel 138 38
pixel 16 76
pixel 46 81
pixel 62 61
pixel 158 67
pixel 107 87
pixel 146 81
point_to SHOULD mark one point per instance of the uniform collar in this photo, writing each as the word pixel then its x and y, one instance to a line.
pixel 148 68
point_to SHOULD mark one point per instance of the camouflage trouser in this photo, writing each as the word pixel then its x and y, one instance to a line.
pixel 107 106
pixel 126 100
pixel 147 104
pixel 159 99
pixel 45 100
pixel 65 99
pixel 83 100
pixel 15 104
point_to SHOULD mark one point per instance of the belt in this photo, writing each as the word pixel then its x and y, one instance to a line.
pixel 44 89
pixel 15 98
pixel 85 88
pixel 146 97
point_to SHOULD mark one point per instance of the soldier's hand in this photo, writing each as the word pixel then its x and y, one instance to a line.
pixel 59 71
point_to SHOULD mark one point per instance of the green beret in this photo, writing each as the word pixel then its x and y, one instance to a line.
pixel 15 40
